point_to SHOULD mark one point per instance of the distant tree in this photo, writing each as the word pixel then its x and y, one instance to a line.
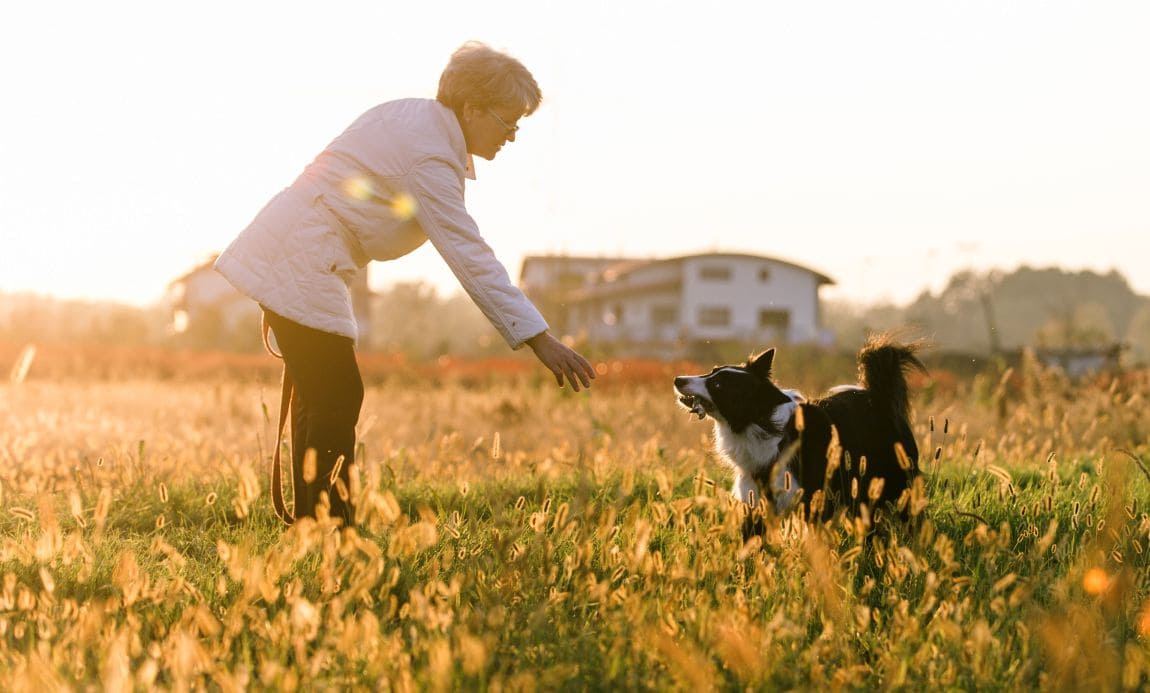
pixel 980 312
pixel 965 314
pixel 850 323
pixel 1138 334
pixel 1086 324
pixel 34 318
pixel 402 317
pixel 1092 306
pixel 469 333
pixel 411 318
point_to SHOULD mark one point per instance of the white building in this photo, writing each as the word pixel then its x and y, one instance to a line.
pixel 665 306
pixel 551 280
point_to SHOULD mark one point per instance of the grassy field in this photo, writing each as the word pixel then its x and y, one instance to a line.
pixel 518 537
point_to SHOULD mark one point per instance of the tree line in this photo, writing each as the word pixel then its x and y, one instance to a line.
pixel 976 312
pixel 989 312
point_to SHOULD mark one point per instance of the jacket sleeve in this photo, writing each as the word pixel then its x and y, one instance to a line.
pixel 440 210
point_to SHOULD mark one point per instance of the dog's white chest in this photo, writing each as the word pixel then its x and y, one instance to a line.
pixel 751 452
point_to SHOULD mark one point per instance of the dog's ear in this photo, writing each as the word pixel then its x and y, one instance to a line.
pixel 760 365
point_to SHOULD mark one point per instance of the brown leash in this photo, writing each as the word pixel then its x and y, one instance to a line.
pixel 285 408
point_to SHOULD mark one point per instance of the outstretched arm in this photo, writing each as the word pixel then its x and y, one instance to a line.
pixel 441 212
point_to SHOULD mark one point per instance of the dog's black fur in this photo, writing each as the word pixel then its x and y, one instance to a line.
pixel 778 443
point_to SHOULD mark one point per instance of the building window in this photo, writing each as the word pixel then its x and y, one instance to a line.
pixel 764 274
pixel 714 316
pixel 715 273
pixel 774 319
pixel 662 316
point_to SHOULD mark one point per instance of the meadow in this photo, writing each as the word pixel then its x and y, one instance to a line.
pixel 519 537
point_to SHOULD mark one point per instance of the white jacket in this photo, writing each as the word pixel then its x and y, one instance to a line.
pixel 390 182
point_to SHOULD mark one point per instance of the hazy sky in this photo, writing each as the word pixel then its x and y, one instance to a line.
pixel 883 143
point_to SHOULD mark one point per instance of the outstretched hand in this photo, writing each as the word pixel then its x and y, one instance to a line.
pixel 562 360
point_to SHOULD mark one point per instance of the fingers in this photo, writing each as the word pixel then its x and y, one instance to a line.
pixel 584 370
pixel 565 371
pixel 578 371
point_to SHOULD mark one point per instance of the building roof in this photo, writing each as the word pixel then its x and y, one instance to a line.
pixel 618 267
pixel 613 279
pixel 202 267
pixel 565 259
pixel 633 265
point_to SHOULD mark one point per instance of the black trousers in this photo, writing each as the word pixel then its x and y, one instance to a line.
pixel 325 408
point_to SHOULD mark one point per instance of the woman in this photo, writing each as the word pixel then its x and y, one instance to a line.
pixel 393 180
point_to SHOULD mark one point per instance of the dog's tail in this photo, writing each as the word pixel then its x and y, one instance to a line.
pixel 883 365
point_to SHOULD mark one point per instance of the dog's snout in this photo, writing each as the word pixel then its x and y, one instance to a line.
pixel 680 381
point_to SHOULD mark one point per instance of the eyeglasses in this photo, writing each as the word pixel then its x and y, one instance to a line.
pixel 511 129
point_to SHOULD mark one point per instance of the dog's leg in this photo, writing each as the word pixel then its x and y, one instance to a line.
pixel 785 488
pixel 745 488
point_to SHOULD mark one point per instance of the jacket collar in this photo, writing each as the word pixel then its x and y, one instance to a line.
pixel 458 143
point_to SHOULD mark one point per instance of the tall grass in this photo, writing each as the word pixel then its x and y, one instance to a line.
pixel 516 537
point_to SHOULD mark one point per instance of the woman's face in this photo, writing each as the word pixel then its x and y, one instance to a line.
pixel 487 129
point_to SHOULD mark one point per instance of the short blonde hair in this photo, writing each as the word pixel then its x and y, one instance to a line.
pixel 484 77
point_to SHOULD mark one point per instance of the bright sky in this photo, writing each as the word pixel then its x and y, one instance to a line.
pixel 886 144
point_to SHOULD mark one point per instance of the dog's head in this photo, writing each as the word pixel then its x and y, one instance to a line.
pixel 735 395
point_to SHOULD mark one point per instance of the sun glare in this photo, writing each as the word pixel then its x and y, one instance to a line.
pixel 358 188
pixel 180 321
pixel 403 205
pixel 1096 581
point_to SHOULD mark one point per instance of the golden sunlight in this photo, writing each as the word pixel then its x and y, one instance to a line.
pixel 1096 581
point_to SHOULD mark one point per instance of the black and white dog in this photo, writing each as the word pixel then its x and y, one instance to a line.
pixel 852 447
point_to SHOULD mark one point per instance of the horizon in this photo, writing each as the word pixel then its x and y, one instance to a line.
pixel 455 291
pixel 886 146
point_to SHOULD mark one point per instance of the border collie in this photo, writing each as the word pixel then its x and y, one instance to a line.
pixel 851 449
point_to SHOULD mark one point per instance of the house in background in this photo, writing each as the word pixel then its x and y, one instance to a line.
pixel 208 312
pixel 673 306
pixel 550 280
pixel 1082 361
